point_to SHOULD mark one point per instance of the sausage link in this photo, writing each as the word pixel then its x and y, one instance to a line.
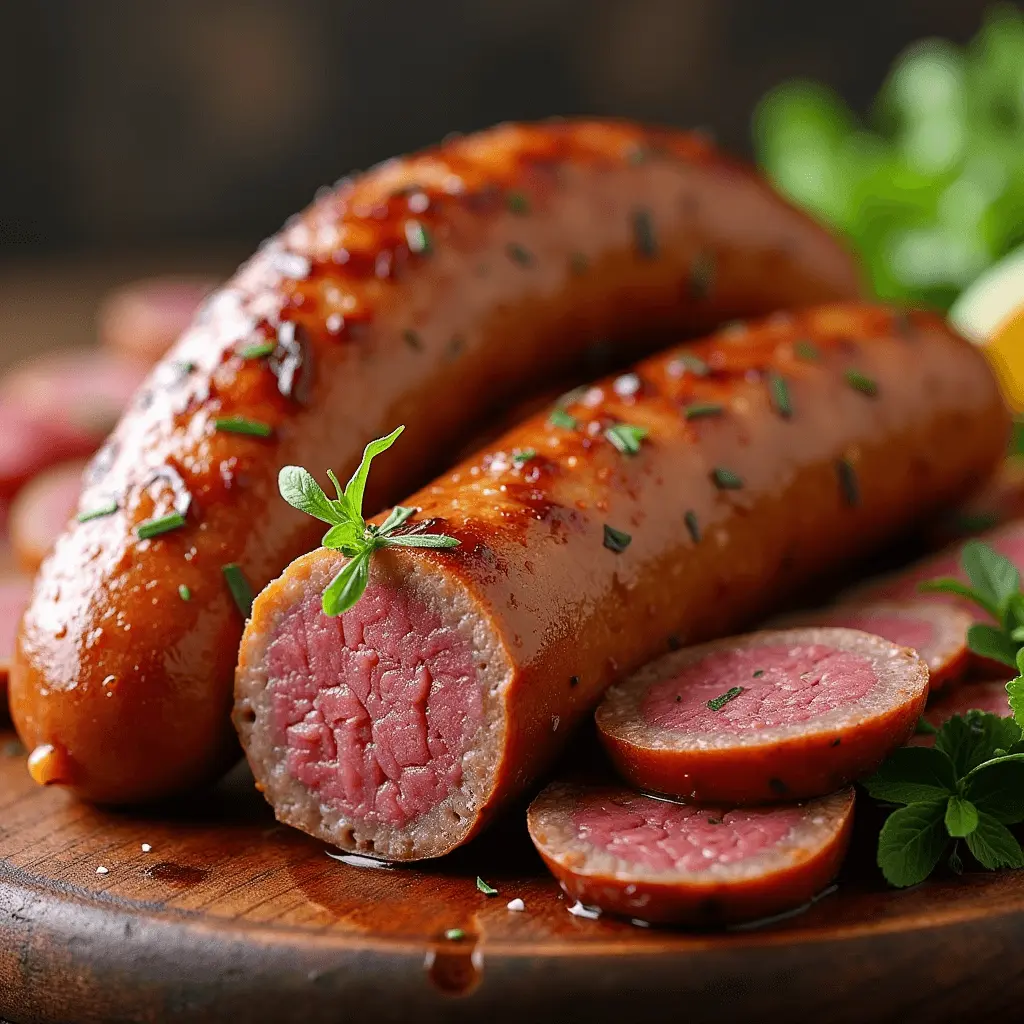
pixel 773 453
pixel 424 292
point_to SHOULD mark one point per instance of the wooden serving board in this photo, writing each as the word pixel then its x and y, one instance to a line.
pixel 232 917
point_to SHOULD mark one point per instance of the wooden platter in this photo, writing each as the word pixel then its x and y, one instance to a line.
pixel 232 917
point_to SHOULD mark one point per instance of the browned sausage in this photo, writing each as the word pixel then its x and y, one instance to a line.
pixel 427 291
pixel 773 454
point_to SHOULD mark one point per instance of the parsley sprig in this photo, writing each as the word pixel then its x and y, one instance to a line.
pixel 969 786
pixel 349 532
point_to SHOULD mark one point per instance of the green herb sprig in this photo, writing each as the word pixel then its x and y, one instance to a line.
pixel 349 532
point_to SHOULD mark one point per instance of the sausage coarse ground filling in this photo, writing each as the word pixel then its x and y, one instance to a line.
pixel 667 505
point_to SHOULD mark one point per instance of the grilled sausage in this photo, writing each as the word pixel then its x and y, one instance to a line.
pixel 773 453
pixel 427 291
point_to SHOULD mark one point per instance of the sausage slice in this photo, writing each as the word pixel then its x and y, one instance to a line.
pixel 672 863
pixel 987 696
pixel 41 510
pixel 769 716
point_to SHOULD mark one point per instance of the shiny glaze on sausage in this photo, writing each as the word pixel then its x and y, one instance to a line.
pixel 426 291
pixel 774 453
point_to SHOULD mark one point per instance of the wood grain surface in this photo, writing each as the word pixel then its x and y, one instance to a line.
pixel 230 916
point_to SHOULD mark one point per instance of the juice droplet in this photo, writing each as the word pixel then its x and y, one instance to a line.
pixel 49 765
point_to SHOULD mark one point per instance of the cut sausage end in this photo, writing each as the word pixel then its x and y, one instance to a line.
pixel 765 717
pixel 673 863
pixel 937 632
pixel 371 730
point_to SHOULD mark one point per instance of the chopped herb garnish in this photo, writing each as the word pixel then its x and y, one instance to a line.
pixel 560 418
pixel 702 275
pixel 758 672
pixel 717 703
pixel 241 590
pixel 242 425
pixel 185 366
pixel 626 437
pixel 701 410
pixel 417 237
pixel 848 482
pixel 807 351
pixel 725 479
pixel 517 203
pixel 454 934
pixel 349 532
pixel 258 351
pixel 616 540
pixel 643 234
pixel 487 890
pixel 861 382
pixel 694 364
pixel 163 524
pixel 412 339
pixel 675 643
pixel 519 254
pixel 106 509
pixel 692 525
pixel 523 456
pixel 184 592
pixel 579 263
pixel 574 680
pixel 715 821
pixel 778 389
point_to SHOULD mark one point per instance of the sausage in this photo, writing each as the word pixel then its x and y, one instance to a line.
pixel 40 511
pixel 938 632
pixel 427 291
pixel 663 862
pixel 777 715
pixel 774 453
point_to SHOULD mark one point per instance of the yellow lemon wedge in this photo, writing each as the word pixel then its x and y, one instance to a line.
pixel 1005 351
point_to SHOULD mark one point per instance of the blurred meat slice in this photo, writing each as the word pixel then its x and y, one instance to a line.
pixel 15 590
pixel 41 510
pixel 143 319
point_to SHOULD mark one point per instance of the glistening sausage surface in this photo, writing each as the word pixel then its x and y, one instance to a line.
pixel 425 292
pixel 773 453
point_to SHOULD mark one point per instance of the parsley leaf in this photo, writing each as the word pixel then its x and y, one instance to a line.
pixel 994 845
pixel 994 577
pixel 991 642
pixel 911 842
pixel 961 817
pixel 913 774
pixel 972 739
pixel 997 789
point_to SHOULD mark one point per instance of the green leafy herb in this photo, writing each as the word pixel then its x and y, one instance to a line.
pixel 692 525
pixel 861 382
pixel 163 524
pixel 725 479
pixel 969 786
pixel 108 508
pixel 758 672
pixel 717 703
pixel 560 418
pixel 349 532
pixel 184 592
pixel 517 203
pixel 643 234
pixel 616 540
pixel 258 351
pixel 807 351
pixel 519 254
pixel 691 363
pixel 417 237
pixel 702 410
pixel 778 391
pixel 487 890
pixel 849 485
pixel 626 437
pixel 242 425
pixel 454 934
pixel 523 456
pixel 925 728
pixel 241 589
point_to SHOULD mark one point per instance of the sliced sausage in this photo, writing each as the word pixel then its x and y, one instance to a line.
pixel 937 632
pixel 989 696
pixel 427 291
pixel 672 863
pixel 401 726
pixel 41 510
pixel 771 716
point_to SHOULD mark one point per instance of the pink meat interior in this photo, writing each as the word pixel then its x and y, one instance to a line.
pixel 781 685
pixel 905 630
pixel 375 707
pixel 665 836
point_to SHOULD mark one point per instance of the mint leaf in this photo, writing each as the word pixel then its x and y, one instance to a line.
pixel 961 817
pixel 972 739
pixel 357 485
pixel 911 842
pixel 948 585
pixel 398 515
pixel 913 774
pixel 994 845
pixel 1015 693
pixel 991 642
pixel 994 576
pixel 344 537
pixel 348 585
pixel 997 789
pixel 301 491
pixel 419 540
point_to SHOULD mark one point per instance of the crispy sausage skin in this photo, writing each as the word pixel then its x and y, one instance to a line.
pixel 773 453
pixel 423 292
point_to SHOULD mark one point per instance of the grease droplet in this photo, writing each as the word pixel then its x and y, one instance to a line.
pixel 176 874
